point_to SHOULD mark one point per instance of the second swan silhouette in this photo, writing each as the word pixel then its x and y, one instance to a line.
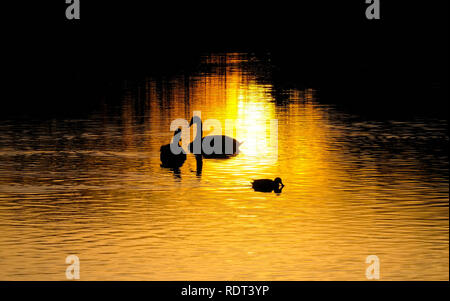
pixel 229 147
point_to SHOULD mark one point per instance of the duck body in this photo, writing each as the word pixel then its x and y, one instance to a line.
pixel 267 185
pixel 169 158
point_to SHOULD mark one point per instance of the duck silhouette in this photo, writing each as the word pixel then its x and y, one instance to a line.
pixel 229 146
pixel 267 185
pixel 168 157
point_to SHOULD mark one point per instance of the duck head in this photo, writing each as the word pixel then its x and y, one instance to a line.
pixel 278 182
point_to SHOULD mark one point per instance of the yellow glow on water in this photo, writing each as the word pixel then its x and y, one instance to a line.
pixel 238 98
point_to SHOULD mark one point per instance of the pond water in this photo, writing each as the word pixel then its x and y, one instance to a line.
pixel 94 187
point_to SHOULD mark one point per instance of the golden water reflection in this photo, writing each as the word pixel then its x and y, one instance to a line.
pixel 95 188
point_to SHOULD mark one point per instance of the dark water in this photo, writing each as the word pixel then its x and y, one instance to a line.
pixel 94 187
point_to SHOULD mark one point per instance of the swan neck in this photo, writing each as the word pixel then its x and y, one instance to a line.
pixel 199 133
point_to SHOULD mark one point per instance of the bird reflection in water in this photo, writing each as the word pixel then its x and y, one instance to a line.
pixel 199 169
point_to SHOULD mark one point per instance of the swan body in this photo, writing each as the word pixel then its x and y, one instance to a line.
pixel 204 146
pixel 225 152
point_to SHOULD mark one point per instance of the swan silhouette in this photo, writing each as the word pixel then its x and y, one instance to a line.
pixel 266 185
pixel 229 147
pixel 169 158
